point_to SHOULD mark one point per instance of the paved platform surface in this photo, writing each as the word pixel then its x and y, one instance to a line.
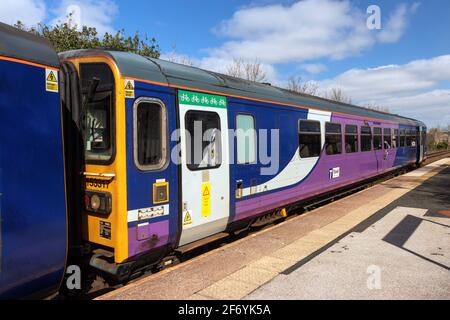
pixel 391 241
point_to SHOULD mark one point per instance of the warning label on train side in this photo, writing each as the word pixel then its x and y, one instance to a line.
pixel 129 88
pixel 187 220
pixel 206 199
pixel 51 80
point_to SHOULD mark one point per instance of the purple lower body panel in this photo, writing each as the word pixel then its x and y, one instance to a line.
pixel 146 237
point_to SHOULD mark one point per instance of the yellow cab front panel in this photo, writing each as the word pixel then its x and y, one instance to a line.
pixel 104 218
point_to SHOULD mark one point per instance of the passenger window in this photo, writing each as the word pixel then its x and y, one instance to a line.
pixel 333 138
pixel 408 138
pixel 309 139
pixel 377 139
pixel 351 139
pixel 402 138
pixel 366 139
pixel 395 139
pixel 387 134
pixel 150 134
pixel 413 138
pixel 207 154
pixel 246 139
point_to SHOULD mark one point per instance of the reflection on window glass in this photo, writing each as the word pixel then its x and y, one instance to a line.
pixel 309 138
pixel 98 127
pixel 203 140
pixel 97 88
pixel 246 139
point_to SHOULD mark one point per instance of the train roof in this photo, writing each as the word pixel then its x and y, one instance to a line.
pixel 22 45
pixel 169 73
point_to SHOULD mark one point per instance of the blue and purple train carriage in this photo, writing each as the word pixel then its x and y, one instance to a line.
pixel 98 160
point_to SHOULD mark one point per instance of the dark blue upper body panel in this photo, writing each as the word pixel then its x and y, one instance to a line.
pixel 139 182
pixel 32 190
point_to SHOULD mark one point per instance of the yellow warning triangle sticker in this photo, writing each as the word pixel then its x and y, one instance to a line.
pixel 206 191
pixel 51 77
pixel 187 218
pixel 129 86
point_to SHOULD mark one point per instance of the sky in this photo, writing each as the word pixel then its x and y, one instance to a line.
pixel 403 64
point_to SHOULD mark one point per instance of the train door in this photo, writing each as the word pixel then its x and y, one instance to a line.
pixel 205 165
pixel 378 148
pixel 421 145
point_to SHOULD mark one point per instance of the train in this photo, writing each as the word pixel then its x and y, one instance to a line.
pixel 117 161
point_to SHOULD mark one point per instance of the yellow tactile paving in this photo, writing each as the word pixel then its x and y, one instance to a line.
pixel 248 279
pixel 252 275
pixel 228 289
pixel 271 263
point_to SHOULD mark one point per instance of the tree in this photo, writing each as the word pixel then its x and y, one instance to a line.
pixel 248 70
pixel 296 84
pixel 65 36
pixel 374 106
pixel 173 56
pixel 338 95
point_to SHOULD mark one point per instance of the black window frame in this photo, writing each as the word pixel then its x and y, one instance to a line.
pixel 351 134
pixel 364 135
pixel 408 139
pixel 328 134
pixel 396 139
pixel 101 89
pixel 387 134
pixel 376 136
pixel 195 167
pixel 310 133
pixel 402 138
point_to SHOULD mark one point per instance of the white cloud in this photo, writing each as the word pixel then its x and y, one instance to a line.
pixel 93 13
pixel 314 68
pixel 305 30
pixel 410 89
pixel 432 107
pixel 397 23
pixel 30 12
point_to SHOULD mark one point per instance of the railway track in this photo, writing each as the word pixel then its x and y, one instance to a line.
pixel 100 287
pixel 434 156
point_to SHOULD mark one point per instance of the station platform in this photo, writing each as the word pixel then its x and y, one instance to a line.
pixel 390 241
